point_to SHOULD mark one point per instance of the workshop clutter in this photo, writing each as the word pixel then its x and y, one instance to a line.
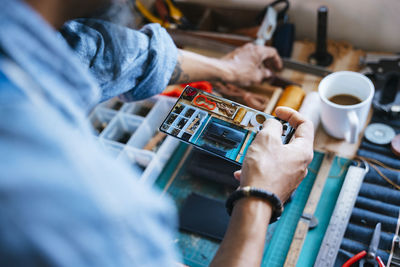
pixel 242 96
pixel 235 26
pixel 291 97
pixel 177 89
pixel 166 14
pixel 377 202
pixel 129 132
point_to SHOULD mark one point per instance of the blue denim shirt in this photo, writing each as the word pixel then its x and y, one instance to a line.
pixel 63 200
pixel 123 61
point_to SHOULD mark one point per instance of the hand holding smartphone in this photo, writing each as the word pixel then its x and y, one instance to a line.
pixel 217 125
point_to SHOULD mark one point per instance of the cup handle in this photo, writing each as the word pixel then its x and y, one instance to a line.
pixel 352 134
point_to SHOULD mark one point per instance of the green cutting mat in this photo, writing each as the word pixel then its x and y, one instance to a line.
pixel 323 212
pixel 276 250
pixel 198 251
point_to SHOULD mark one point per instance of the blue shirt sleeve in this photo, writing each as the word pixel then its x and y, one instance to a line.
pixel 64 202
pixel 130 63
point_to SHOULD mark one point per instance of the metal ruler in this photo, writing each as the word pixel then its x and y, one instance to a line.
pixel 340 216
pixel 308 212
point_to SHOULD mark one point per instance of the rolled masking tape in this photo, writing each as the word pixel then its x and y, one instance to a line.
pixel 292 97
pixel 257 120
pixel 239 115
pixel 311 108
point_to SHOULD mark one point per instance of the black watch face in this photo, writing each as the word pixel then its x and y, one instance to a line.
pixel 217 125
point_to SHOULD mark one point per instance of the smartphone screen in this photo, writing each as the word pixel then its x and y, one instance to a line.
pixel 217 125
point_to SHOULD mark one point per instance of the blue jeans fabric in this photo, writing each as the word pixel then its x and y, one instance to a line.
pixel 373 177
pixel 362 235
pixel 368 147
pixel 380 193
pixel 385 159
pixel 370 219
pixel 373 205
pixel 377 201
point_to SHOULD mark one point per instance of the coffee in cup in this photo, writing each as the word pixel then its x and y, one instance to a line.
pixel 346 98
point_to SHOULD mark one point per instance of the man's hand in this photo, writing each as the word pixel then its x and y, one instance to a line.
pixel 272 166
pixel 251 64
pixel 245 65
pixel 276 167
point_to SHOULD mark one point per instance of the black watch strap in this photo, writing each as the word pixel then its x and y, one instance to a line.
pixel 248 191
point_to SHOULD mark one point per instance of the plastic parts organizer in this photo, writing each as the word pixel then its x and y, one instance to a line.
pixel 125 129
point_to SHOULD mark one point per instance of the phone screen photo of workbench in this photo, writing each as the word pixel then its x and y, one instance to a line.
pixel 217 125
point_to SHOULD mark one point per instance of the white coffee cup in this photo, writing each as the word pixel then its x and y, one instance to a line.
pixel 345 121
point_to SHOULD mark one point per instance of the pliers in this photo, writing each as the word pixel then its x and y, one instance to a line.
pixel 169 15
pixel 370 256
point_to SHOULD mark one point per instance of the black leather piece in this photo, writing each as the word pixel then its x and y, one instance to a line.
pixel 386 77
pixel 204 216
pixel 387 93
pixel 205 166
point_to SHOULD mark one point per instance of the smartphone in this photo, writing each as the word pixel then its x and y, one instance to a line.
pixel 217 125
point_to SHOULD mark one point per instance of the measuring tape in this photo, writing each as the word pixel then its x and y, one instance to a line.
pixel 340 216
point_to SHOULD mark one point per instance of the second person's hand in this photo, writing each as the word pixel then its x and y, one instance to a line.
pixel 251 64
